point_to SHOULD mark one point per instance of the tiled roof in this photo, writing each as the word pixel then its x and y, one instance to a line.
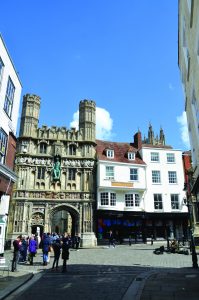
pixel 120 152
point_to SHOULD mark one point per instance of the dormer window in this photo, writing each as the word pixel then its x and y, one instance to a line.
pixel 131 155
pixel 110 153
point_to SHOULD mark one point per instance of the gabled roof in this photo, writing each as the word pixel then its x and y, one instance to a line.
pixel 120 152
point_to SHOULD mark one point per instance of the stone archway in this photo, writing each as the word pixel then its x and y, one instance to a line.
pixel 37 223
pixel 64 218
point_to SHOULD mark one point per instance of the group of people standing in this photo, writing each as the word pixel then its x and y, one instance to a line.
pixel 59 244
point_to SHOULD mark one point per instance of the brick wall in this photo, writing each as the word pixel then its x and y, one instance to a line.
pixel 11 151
pixel 4 183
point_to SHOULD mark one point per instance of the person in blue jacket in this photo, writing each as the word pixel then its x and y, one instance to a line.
pixel 32 248
pixel 46 244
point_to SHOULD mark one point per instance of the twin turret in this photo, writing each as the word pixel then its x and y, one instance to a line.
pixel 30 118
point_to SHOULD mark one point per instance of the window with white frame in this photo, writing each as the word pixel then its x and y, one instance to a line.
pixel 9 98
pixel 109 172
pixel 1 70
pixel 133 174
pixel 170 157
pixel 131 155
pixel 112 199
pixel 156 176
pixel 132 200
pixel 155 156
pixel 110 153
pixel 104 198
pixel 3 145
pixel 158 201
pixel 108 199
pixel 174 201
pixel 172 176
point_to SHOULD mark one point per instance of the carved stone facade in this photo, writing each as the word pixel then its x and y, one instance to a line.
pixel 40 193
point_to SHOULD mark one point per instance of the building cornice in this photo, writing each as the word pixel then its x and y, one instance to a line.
pixel 8 173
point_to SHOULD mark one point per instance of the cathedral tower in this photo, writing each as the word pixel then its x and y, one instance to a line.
pixel 30 115
pixel 87 119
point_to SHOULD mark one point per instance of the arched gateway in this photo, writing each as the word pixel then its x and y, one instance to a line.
pixel 55 190
pixel 64 218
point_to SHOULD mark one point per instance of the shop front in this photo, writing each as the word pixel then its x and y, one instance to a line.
pixel 140 226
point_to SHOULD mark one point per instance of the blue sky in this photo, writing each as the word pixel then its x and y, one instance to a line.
pixel 121 54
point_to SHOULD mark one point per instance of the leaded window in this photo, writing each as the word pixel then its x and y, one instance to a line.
pixel 8 104
pixel 107 198
pixel 156 176
pixel 132 200
pixel 170 157
pixel 109 172
pixel 172 177
pixel 155 156
pixel 134 174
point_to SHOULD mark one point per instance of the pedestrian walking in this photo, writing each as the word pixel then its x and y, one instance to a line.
pixel 46 248
pixel 57 250
pixel 130 240
pixel 37 239
pixel 65 250
pixel 16 245
pixel 23 249
pixel 111 239
pixel 32 249
pixel 77 241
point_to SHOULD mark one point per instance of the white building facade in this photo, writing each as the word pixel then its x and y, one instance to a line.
pixel 164 198
pixel 10 93
pixel 140 190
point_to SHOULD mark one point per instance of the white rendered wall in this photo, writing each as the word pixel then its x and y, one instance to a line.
pixel 165 188
pixel 9 124
pixel 121 175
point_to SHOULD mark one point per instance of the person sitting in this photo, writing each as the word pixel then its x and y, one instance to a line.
pixel 174 246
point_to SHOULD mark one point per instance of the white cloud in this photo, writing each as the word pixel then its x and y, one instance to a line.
pixel 182 120
pixel 171 87
pixel 104 123
pixel 75 121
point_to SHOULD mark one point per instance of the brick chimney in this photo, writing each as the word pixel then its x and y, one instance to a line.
pixel 138 140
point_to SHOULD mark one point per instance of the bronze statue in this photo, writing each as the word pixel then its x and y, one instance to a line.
pixel 57 169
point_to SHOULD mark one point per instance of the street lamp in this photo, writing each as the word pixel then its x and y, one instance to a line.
pixel 188 203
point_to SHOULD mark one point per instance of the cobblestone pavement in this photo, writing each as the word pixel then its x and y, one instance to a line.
pixel 125 272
